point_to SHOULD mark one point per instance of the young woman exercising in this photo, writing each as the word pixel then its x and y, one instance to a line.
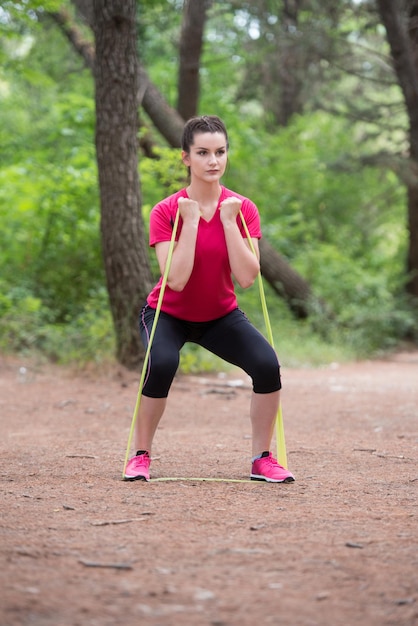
pixel 200 303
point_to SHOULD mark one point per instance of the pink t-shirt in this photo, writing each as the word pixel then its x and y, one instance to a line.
pixel 209 292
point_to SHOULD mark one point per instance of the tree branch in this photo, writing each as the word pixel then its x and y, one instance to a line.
pixel 403 61
pixel 165 119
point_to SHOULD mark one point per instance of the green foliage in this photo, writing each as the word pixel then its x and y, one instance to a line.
pixel 341 228
pixel 50 256
pixel 341 225
pixel 159 54
pixel 50 237
pixel 161 177
pixel 27 327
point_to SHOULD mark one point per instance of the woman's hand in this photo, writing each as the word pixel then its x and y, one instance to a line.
pixel 189 210
pixel 229 209
pixel 184 249
pixel 244 263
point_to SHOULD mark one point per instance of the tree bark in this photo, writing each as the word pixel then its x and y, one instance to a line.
pixel 285 281
pixel 165 119
pixel 289 67
pixel 191 43
pixel 404 51
pixel 125 254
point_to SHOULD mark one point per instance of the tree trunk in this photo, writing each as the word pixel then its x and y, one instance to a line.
pixel 123 239
pixel 404 50
pixel 289 66
pixel 285 281
pixel 191 41
pixel 165 119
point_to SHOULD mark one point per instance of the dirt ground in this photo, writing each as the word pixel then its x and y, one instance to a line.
pixel 80 547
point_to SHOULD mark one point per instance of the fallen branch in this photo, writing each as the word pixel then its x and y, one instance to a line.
pixel 118 521
pixel 106 565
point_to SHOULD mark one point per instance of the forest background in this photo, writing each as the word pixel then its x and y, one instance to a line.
pixel 321 138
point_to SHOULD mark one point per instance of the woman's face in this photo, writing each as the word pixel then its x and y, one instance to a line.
pixel 208 156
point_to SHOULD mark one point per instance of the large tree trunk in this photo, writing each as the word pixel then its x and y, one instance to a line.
pixel 404 50
pixel 123 239
pixel 191 43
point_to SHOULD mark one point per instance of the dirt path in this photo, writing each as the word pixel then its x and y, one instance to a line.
pixel 80 547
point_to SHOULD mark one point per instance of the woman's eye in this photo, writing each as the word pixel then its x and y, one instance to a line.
pixel 205 152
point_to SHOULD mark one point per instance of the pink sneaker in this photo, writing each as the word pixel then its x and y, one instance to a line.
pixel 266 468
pixel 137 468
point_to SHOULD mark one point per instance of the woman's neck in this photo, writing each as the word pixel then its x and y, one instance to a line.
pixel 204 193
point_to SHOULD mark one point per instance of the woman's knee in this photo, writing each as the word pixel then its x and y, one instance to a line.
pixel 164 363
pixel 161 371
pixel 265 374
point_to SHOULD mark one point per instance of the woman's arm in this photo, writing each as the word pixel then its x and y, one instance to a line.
pixel 184 249
pixel 245 265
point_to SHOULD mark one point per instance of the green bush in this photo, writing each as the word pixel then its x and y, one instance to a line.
pixel 27 327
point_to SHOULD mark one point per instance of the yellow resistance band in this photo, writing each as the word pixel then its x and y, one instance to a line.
pixel 151 337
pixel 280 439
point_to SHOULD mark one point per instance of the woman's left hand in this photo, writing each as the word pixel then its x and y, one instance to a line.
pixel 229 209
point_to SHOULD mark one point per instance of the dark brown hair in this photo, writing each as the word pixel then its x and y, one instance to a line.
pixel 202 124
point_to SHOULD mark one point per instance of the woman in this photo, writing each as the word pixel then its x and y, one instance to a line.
pixel 199 303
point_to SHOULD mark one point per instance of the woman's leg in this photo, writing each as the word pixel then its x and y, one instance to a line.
pixel 237 341
pixel 150 412
pixel 263 412
pixel 163 362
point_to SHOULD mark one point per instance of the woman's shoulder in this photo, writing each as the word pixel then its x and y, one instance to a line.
pixel 247 203
pixel 170 202
pixel 166 209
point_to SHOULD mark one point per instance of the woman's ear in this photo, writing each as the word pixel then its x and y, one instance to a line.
pixel 185 157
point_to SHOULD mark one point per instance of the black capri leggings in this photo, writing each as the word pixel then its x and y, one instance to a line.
pixel 232 337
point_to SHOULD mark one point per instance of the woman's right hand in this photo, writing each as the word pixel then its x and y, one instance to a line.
pixel 184 250
pixel 189 210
